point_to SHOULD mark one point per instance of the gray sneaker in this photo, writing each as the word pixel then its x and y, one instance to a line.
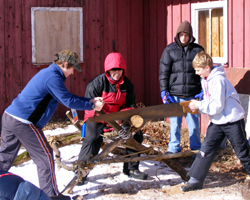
pixel 192 186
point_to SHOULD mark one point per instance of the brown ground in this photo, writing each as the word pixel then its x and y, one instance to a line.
pixel 226 175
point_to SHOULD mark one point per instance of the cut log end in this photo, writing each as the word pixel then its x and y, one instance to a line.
pixel 136 121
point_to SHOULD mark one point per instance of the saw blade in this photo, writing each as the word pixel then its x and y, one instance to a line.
pixel 147 113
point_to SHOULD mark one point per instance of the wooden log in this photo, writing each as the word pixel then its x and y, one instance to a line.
pixel 109 148
pixel 60 164
pixel 65 139
pixel 159 157
pixel 137 121
pixel 20 159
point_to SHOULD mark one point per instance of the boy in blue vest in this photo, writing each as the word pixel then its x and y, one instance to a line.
pixel 29 112
pixel 221 103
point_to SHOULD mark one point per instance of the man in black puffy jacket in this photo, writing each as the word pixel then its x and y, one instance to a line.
pixel 178 82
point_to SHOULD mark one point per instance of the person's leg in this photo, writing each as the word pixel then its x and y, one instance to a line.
pixel 35 142
pixel 175 135
pixel 204 158
pixel 132 168
pixel 91 144
pixel 193 128
pixel 93 141
pixel 194 131
pixel 235 133
pixel 38 148
pixel 209 147
pixel 10 144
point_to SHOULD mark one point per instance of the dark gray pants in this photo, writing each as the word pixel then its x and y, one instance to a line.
pixel 235 133
pixel 15 133
pixel 93 141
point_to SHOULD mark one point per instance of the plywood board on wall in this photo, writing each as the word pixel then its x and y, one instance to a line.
pixel 53 30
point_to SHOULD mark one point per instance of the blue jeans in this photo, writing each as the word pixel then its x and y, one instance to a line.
pixel 193 127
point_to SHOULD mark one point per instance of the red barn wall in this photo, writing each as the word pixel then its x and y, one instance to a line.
pixel 140 29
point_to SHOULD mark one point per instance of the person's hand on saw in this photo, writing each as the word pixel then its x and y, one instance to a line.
pixel 192 105
pixel 98 103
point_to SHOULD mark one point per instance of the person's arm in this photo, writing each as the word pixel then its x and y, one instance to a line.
pixel 217 96
pixel 94 91
pixel 165 70
pixel 164 75
pixel 95 87
pixel 56 87
pixel 97 103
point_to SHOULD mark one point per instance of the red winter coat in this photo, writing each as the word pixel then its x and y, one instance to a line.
pixel 118 95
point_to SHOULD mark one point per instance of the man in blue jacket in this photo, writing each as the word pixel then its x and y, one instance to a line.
pixel 29 112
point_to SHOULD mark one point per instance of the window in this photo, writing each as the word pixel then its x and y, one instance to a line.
pixel 209 22
pixel 55 29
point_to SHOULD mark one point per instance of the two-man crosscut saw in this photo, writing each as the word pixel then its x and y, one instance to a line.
pixel 149 113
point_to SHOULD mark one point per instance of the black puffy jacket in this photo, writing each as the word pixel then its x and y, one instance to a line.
pixel 176 72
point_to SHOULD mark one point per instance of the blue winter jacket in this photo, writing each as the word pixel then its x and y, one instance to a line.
pixel 13 187
pixel 38 100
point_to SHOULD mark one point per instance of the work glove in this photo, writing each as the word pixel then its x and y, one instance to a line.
pixel 166 98
pixel 199 96
pixel 124 133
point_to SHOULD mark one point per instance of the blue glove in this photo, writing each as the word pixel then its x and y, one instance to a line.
pixel 166 98
pixel 199 96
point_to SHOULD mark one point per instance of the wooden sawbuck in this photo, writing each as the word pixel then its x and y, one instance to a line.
pixel 137 118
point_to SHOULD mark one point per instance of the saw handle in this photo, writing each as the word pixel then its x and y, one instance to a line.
pixel 186 108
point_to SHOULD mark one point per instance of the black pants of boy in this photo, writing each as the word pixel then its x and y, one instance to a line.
pixel 93 141
pixel 235 133
pixel 15 133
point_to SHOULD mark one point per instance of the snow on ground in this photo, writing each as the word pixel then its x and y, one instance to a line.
pixel 106 181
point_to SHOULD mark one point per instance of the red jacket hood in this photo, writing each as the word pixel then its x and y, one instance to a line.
pixel 114 60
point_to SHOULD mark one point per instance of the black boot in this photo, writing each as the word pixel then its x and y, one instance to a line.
pixel 82 181
pixel 136 174
pixel 192 186
pixel 61 197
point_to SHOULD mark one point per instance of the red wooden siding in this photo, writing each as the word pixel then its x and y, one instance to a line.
pixel 140 29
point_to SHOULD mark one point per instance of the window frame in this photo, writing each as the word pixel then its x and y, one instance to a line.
pixel 33 46
pixel 195 7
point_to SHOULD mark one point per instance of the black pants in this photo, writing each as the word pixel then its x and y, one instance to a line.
pixel 235 133
pixel 93 141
